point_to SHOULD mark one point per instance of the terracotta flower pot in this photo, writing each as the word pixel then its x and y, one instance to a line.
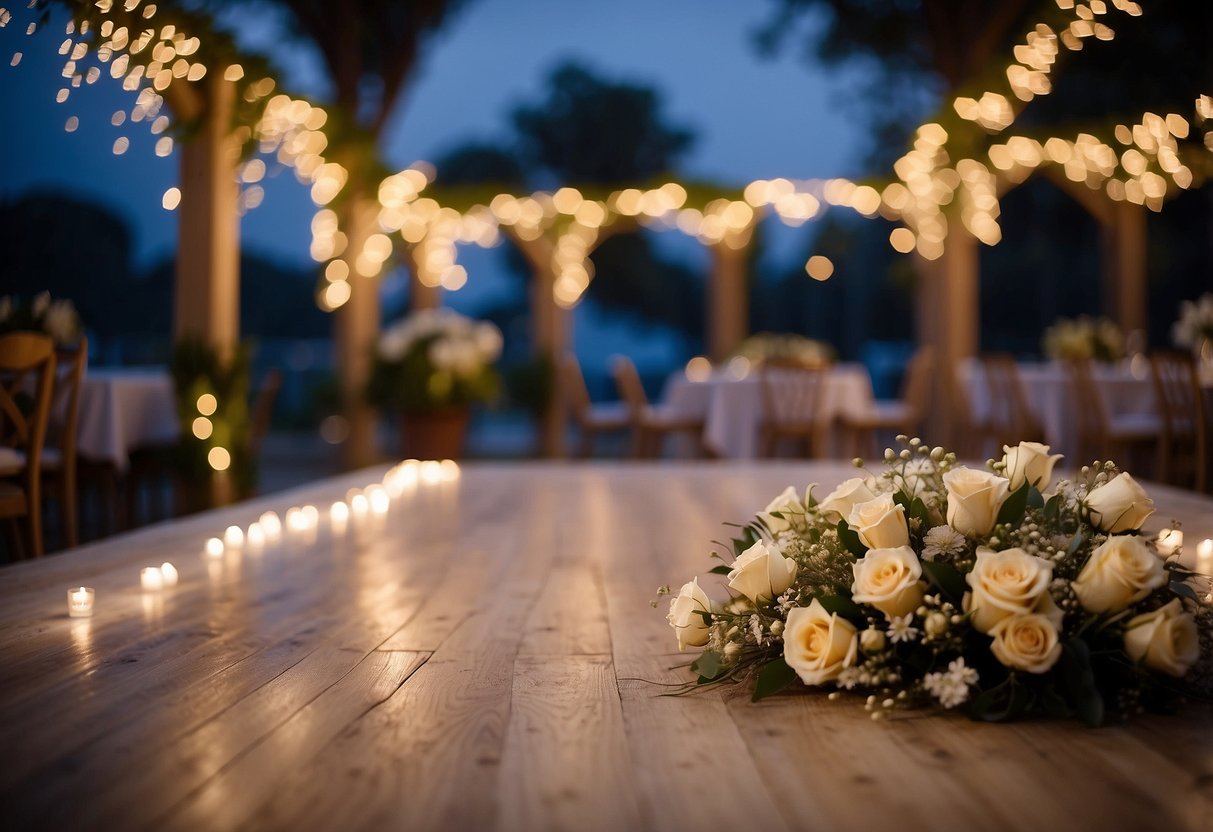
pixel 437 434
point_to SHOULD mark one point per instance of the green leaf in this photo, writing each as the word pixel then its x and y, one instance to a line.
pixel 1001 703
pixel 1077 543
pixel 709 666
pixel 842 605
pixel 851 540
pixel 918 510
pixel 720 570
pixel 1052 509
pixel 1014 506
pixel 748 538
pixel 814 535
pixel 947 578
pixel 1035 498
pixel 774 677
pixel 1184 591
pixel 902 500
pixel 1079 680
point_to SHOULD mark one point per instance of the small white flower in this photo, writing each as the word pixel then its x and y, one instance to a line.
pixel 951 688
pixel 901 628
pixel 942 540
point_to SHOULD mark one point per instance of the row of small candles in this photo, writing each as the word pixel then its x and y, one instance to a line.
pixel 1170 540
pixel 375 500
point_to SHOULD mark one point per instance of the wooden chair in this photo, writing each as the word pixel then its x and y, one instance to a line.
pixel 59 464
pixel 650 424
pixel 1010 420
pixel 1182 452
pixel 591 419
pixel 23 421
pixel 791 400
pixel 1100 434
pixel 904 415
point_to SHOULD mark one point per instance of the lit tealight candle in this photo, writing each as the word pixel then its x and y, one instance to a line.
pixel 359 504
pixel 168 574
pixel 449 469
pixel 233 536
pixel 1169 540
pixel 310 515
pixel 255 536
pixel 151 578
pixel 431 471
pixel 378 498
pixel 270 525
pixel 214 547
pixel 1204 557
pixel 80 602
pixel 339 512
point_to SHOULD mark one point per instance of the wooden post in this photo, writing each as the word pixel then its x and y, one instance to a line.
pixel 948 317
pixel 207 290
pixel 728 296
pixel 356 331
pixel 1124 272
pixel 549 335
pixel 420 295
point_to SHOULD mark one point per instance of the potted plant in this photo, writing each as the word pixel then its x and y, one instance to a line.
pixel 430 368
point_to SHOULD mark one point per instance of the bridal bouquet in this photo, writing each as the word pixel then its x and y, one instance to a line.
pixel 1084 337
pixel 929 583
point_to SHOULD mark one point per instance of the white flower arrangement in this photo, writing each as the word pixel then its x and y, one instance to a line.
pixel 932 583
pixel 1194 329
pixel 435 358
pixel 768 346
pixel 1084 338
pixel 56 318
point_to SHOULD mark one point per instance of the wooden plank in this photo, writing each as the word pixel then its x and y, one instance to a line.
pixel 227 800
pixel 566 763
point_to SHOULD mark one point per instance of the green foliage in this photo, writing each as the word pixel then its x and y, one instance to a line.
pixel 197 369
pixel 946 578
pixel 774 676
pixel 530 383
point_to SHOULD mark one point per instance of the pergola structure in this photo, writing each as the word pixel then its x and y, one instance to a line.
pixel 944 193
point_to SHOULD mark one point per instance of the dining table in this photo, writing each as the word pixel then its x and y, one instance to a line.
pixel 122 409
pixel 476 647
pixel 729 400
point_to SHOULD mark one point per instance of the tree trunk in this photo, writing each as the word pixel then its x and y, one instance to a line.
pixel 356 332
pixel 550 337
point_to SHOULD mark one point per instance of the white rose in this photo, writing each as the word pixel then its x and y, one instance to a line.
pixel 1029 462
pixel 1006 583
pixel 888 579
pixel 684 615
pixel 880 523
pixel 442 354
pixel 1165 639
pixel 1119 573
pixel 872 640
pixel 787 504
pixel 761 573
pixel 974 498
pixel 488 341
pixel 818 645
pixel 842 499
pixel 393 344
pixel 1026 642
pixel 1120 505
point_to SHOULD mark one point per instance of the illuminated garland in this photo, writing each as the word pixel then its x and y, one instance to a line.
pixel 929 187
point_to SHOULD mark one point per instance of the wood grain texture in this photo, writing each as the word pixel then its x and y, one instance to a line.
pixel 485 656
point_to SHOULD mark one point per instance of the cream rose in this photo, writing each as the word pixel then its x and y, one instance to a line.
pixel 974 498
pixel 880 523
pixel 888 579
pixel 872 640
pixel 1029 462
pixel 1026 642
pixel 787 504
pixel 684 615
pixel 842 499
pixel 818 645
pixel 1119 573
pixel 761 572
pixel 1119 505
pixel 1006 583
pixel 1166 640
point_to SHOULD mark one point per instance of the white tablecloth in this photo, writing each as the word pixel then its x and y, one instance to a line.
pixel 732 407
pixel 1125 389
pixel 121 409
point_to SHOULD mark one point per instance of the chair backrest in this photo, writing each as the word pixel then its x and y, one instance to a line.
pixel 574 387
pixel 631 390
pixel 65 400
pixel 263 408
pixel 23 420
pixel 1090 414
pixel 1179 396
pixel 1011 418
pixel 916 391
pixel 791 393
